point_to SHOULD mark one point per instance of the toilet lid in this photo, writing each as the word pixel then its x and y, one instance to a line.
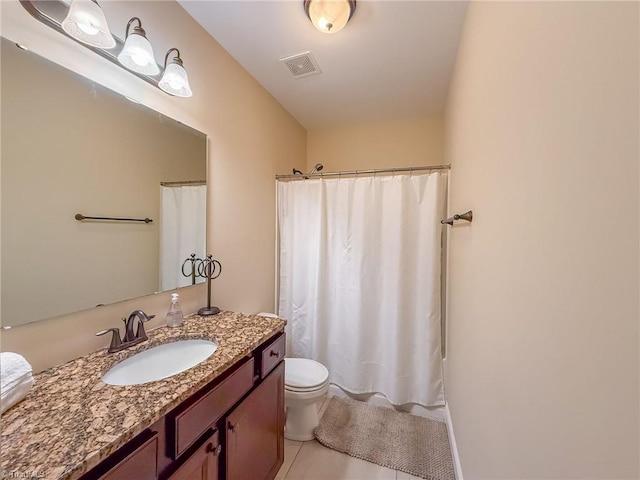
pixel 304 374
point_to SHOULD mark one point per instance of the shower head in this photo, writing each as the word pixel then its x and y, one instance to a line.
pixel 317 168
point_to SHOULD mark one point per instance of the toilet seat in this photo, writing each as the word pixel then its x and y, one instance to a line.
pixel 304 390
pixel 304 375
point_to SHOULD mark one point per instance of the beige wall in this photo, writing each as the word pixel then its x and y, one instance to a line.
pixel 251 138
pixel 402 143
pixel 542 132
pixel 99 154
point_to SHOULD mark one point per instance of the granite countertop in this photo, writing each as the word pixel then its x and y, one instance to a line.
pixel 71 420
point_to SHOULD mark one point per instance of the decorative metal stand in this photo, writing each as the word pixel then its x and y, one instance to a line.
pixel 209 269
pixel 195 263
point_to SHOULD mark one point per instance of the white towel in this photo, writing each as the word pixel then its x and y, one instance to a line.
pixel 12 367
pixel 16 379
pixel 16 393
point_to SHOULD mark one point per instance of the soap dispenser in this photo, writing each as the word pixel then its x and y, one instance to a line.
pixel 174 315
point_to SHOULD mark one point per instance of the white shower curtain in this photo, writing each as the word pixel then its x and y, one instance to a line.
pixel 183 231
pixel 360 281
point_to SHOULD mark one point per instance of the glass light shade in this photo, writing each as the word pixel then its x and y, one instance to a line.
pixel 175 81
pixel 86 22
pixel 137 55
pixel 329 16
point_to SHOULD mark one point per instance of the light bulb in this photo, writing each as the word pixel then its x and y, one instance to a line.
pixel 322 23
pixel 139 59
pixel 137 53
pixel 85 21
pixel 88 28
pixel 174 79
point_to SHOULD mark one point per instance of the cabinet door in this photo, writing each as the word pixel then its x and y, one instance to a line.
pixel 131 461
pixel 255 432
pixel 202 464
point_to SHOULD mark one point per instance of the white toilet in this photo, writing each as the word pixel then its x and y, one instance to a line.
pixel 306 383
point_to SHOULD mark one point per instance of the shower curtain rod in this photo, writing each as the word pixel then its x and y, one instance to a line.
pixel 363 172
pixel 184 183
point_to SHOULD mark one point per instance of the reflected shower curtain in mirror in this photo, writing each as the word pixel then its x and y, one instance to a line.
pixel 183 231
pixel 359 281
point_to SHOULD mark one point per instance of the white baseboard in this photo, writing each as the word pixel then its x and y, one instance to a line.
pixel 452 441
pixel 436 413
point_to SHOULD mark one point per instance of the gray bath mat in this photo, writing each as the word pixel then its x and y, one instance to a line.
pixel 401 441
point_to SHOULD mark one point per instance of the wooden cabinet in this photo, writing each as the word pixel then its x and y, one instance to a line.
pixel 231 429
pixel 271 355
pixel 202 464
pixel 254 431
pixel 189 421
pixel 138 461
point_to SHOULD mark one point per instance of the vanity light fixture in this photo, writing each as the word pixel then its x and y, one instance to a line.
pixel 329 16
pixel 174 79
pixel 137 53
pixel 86 23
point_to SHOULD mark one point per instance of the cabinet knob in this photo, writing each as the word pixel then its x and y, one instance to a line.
pixel 215 450
pixel 233 427
pixel 273 353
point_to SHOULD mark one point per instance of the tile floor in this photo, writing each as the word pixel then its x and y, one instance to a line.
pixel 312 461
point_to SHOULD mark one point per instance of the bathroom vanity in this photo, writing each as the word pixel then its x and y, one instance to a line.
pixel 222 419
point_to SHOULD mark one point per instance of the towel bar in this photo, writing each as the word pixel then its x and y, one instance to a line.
pixel 81 217
pixel 468 216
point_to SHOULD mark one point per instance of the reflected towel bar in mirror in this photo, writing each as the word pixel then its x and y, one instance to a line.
pixel 81 217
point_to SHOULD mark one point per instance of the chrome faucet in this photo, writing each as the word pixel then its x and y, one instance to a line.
pixel 130 339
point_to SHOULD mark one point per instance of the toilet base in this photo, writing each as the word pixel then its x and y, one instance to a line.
pixel 302 414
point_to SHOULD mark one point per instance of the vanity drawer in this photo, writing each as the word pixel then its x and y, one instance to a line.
pixel 272 354
pixel 191 422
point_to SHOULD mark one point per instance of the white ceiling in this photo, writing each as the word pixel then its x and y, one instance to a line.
pixel 392 61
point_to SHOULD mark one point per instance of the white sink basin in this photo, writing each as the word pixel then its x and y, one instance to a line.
pixel 160 362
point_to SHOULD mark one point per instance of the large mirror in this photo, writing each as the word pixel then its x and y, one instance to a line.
pixel 69 147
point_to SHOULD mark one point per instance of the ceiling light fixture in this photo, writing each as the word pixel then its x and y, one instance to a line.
pixel 329 16
pixel 137 53
pixel 174 79
pixel 86 23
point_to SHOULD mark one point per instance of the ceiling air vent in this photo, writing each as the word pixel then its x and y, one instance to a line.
pixel 302 64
